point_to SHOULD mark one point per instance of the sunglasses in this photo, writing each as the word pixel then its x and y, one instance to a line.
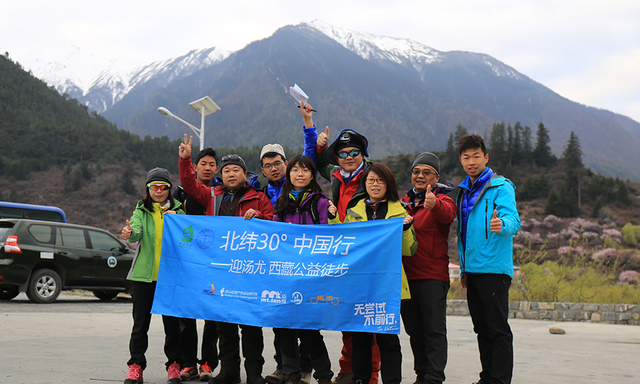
pixel 158 187
pixel 352 153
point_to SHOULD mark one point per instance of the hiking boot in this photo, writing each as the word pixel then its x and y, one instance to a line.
pixel 188 373
pixel 173 371
pixel 306 378
pixel 255 378
pixel 135 375
pixel 324 380
pixel 205 372
pixel 277 377
pixel 224 378
pixel 343 378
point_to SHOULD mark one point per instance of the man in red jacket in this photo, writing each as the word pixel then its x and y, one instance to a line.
pixel 424 315
pixel 234 198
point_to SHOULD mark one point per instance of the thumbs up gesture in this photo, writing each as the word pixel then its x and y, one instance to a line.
pixel 429 199
pixel 126 231
pixel 495 223
pixel 332 209
pixel 323 138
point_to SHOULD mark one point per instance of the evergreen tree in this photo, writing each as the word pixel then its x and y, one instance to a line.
pixel 498 145
pixel 126 181
pixel 450 162
pixel 542 152
pixel 526 153
pixel 597 206
pixel 572 154
pixel 460 131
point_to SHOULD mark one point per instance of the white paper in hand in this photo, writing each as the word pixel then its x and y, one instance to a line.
pixel 298 94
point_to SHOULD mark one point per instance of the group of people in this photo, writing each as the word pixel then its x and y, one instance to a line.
pixel 487 218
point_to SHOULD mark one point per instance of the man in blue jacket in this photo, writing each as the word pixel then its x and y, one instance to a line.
pixel 487 220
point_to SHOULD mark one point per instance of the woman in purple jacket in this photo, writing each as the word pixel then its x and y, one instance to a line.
pixel 302 202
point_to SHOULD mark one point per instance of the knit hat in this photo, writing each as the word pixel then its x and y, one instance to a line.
pixel 158 174
pixel 346 138
pixel 428 159
pixel 232 159
pixel 273 149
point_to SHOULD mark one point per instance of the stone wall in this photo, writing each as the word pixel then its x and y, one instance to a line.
pixel 594 313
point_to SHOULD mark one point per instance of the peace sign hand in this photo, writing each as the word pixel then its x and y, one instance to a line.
pixel 185 148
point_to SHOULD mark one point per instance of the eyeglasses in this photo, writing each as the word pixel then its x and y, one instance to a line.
pixel 269 166
pixel 352 153
pixel 158 187
pixel 417 172
pixel 375 181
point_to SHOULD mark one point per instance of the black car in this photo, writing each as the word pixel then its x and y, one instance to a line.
pixel 42 258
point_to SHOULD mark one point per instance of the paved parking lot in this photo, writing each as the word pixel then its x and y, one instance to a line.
pixel 79 339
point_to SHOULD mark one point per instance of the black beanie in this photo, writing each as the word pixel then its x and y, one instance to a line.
pixel 427 158
pixel 158 174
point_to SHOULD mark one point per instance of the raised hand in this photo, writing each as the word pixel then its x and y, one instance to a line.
pixel 323 138
pixel 495 223
pixel 429 199
pixel 307 114
pixel 185 148
pixel 127 231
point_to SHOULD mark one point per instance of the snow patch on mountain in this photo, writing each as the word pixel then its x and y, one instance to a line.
pixel 370 46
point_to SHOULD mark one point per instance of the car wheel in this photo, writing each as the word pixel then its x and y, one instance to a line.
pixel 105 295
pixel 44 287
pixel 8 293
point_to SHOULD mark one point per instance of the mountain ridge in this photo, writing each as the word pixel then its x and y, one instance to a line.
pixel 410 98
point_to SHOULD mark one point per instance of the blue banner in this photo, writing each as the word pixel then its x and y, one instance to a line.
pixel 343 277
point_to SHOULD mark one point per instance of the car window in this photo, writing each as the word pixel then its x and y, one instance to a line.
pixel 72 237
pixel 42 215
pixel 102 241
pixel 10 213
pixel 41 233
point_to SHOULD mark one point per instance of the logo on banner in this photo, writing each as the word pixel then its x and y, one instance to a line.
pixel 205 238
pixel 297 298
pixel 273 297
pixel 325 299
pixel 210 291
pixel 187 234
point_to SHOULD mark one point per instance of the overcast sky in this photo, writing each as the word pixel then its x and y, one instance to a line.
pixel 585 50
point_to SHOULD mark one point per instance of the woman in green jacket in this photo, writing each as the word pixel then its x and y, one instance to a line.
pixel 145 227
pixel 381 202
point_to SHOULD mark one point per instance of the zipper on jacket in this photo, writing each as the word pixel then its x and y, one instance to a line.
pixel 486 210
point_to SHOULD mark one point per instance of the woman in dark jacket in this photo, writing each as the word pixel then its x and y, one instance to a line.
pixel 302 202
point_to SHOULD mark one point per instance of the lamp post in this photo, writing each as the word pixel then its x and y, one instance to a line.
pixel 204 107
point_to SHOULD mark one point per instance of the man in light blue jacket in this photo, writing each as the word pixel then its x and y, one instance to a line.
pixel 487 220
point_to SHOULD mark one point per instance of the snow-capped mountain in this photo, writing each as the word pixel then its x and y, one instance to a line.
pixel 82 75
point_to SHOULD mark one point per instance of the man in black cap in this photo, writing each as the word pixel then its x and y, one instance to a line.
pixel 342 164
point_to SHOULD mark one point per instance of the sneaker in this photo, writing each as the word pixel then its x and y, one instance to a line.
pixel 205 372
pixel 135 374
pixel 173 371
pixel 223 378
pixel 343 378
pixel 306 378
pixel 277 377
pixel 255 378
pixel 188 373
